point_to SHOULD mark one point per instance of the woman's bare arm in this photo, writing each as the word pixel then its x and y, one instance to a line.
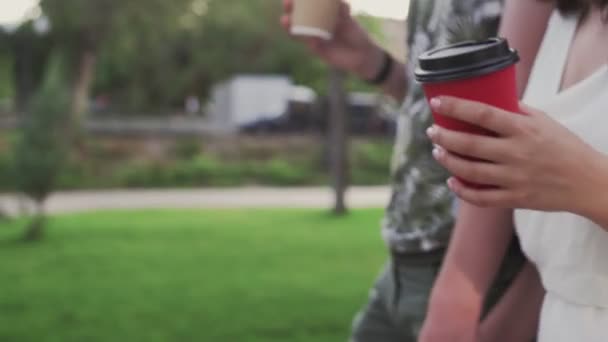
pixel 481 235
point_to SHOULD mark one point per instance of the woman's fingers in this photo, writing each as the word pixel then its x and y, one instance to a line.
pixel 475 171
pixel 494 197
pixel 476 113
pixel 473 145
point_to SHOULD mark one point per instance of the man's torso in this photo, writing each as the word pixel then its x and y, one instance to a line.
pixel 420 214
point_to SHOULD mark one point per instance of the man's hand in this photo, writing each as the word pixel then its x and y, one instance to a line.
pixel 351 49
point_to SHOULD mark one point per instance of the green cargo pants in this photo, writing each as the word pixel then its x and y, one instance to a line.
pixel 397 304
pixel 398 301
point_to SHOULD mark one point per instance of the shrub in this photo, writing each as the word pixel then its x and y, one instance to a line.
pixel 142 175
pixel 40 150
pixel 283 172
pixel 186 149
pixel 296 164
pixel 7 174
pixel 370 163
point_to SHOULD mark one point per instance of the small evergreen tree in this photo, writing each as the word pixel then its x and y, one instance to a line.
pixel 41 149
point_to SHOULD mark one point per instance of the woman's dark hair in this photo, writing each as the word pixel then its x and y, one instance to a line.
pixel 580 6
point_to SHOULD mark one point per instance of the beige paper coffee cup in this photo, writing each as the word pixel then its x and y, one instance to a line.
pixel 316 18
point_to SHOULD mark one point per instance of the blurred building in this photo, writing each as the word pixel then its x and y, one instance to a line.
pixel 244 99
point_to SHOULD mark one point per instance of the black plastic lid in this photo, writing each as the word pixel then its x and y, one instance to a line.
pixel 465 60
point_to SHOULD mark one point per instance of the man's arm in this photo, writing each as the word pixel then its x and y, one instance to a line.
pixel 481 235
pixel 352 50
pixel 396 84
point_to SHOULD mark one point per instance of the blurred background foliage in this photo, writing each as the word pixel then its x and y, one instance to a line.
pixel 190 162
pixel 148 55
pixel 161 275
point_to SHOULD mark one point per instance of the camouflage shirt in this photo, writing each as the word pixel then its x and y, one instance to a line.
pixel 420 215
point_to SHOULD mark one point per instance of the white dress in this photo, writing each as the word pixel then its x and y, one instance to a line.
pixel 570 251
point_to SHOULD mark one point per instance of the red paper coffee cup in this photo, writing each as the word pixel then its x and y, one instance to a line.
pixel 479 71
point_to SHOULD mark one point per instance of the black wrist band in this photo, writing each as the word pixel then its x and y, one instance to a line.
pixel 385 72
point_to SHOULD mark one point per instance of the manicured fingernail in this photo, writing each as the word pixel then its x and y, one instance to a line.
pixel 436 153
pixel 451 184
pixel 431 132
pixel 435 103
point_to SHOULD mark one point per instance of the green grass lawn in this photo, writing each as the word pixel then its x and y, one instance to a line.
pixel 234 275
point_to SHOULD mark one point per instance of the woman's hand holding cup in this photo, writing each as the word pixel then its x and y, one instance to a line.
pixel 535 162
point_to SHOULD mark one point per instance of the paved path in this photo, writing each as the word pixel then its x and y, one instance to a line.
pixel 250 197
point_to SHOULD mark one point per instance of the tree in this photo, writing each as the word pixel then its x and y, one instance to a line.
pixel 338 139
pixel 28 52
pixel 79 27
pixel 208 42
pixel 149 55
pixel 84 28
pixel 41 149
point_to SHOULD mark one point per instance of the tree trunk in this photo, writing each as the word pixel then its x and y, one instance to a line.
pixel 338 140
pixel 23 75
pixel 35 230
pixel 82 80
pixel 82 83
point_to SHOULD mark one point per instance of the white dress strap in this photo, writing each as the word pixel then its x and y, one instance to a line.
pixel 546 76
